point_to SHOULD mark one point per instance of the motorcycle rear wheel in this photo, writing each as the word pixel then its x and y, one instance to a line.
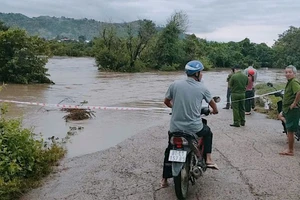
pixel 181 182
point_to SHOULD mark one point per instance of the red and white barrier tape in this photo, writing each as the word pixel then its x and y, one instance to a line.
pixel 84 107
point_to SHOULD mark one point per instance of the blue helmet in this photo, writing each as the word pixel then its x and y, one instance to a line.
pixel 193 67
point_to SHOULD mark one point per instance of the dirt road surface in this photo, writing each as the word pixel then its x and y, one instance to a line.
pixel 250 167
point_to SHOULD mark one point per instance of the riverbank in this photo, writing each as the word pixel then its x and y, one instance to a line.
pixel 250 166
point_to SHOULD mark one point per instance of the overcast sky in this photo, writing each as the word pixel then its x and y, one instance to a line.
pixel 218 20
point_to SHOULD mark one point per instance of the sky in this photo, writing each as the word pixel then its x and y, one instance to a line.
pixel 217 20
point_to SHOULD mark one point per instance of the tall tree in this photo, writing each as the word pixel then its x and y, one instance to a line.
pixel 22 58
pixel 136 45
pixel 109 50
pixel 167 50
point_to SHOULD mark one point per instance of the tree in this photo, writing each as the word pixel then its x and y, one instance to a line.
pixel 22 58
pixel 265 55
pixel 81 38
pixel 109 50
pixel 287 49
pixel 3 27
pixel 168 50
pixel 136 45
pixel 191 47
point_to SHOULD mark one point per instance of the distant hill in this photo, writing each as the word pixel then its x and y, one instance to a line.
pixel 51 27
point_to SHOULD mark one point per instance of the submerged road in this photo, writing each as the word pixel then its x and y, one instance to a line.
pixel 250 167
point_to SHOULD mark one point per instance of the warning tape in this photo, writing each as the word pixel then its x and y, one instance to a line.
pixel 256 96
pixel 84 107
pixel 107 107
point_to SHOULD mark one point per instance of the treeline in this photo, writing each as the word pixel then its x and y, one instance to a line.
pixel 143 47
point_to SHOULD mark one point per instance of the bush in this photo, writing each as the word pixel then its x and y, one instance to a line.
pixel 23 158
pixel 206 63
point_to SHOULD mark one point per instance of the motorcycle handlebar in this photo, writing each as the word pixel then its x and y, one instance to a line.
pixel 205 111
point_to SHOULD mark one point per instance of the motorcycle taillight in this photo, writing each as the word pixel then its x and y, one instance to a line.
pixel 178 141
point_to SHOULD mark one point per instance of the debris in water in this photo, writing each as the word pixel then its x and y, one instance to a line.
pixel 78 114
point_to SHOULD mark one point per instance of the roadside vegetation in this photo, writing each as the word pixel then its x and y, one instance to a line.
pixel 25 157
pixel 263 88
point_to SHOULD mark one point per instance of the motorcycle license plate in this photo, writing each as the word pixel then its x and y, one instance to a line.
pixel 177 156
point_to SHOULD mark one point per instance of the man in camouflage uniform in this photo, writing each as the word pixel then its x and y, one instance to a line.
pixel 237 84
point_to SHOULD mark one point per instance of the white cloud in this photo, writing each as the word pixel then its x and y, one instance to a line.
pixel 258 33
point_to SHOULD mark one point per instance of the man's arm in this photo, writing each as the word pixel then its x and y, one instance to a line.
pixel 230 82
pixel 168 102
pixel 296 101
pixel 213 105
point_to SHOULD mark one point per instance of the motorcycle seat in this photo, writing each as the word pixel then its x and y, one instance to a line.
pixel 184 134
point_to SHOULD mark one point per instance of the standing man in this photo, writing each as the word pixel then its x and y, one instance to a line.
pixel 249 92
pixel 290 107
pixel 252 69
pixel 228 89
pixel 238 83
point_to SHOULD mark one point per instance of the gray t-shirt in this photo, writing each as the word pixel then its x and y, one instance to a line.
pixel 187 96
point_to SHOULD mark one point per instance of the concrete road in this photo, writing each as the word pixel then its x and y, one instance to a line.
pixel 250 167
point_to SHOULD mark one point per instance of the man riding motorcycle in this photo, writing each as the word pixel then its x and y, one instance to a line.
pixel 185 98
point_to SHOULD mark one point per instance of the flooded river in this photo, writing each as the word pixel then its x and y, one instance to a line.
pixel 77 80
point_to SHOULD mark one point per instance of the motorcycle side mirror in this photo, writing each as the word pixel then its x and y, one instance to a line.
pixel 217 99
pixel 270 84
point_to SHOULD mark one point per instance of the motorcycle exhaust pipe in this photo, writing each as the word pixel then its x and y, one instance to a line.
pixel 197 171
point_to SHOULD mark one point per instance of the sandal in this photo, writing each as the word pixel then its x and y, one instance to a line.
pixel 164 183
pixel 285 153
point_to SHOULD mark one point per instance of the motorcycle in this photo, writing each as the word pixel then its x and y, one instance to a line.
pixel 280 93
pixel 187 157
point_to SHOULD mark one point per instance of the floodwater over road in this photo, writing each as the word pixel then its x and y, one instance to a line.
pixel 77 80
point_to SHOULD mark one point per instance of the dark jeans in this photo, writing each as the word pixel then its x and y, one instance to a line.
pixel 228 95
pixel 249 102
pixel 207 139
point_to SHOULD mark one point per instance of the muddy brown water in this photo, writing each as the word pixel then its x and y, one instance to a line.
pixel 77 80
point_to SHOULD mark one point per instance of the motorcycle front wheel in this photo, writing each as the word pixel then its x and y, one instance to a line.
pixel 181 181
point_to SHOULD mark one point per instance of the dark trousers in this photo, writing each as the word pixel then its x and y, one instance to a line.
pixel 207 139
pixel 228 95
pixel 249 102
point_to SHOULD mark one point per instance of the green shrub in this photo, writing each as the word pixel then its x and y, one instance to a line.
pixel 24 159
pixel 206 63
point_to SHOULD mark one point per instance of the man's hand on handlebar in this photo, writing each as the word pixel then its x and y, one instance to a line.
pixel 214 112
pixel 214 107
